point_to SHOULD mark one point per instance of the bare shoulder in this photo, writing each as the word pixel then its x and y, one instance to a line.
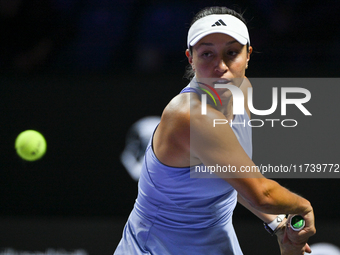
pixel 182 121
pixel 171 141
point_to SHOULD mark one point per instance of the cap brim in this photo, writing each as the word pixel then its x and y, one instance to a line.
pixel 233 34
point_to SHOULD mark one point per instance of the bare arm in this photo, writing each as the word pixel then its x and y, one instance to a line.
pixel 218 145
pixel 185 136
pixel 265 217
pixel 287 239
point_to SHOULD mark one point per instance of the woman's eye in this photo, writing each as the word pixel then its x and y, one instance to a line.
pixel 232 53
pixel 206 54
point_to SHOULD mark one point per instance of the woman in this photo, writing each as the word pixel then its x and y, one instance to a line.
pixel 177 214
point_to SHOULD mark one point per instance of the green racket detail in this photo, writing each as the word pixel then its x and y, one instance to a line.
pixel 297 222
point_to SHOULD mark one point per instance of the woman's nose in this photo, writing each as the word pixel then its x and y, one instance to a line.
pixel 221 66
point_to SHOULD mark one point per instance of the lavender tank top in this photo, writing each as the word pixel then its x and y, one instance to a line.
pixel 177 214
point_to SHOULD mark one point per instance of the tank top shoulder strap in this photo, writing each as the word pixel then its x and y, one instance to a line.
pixel 190 89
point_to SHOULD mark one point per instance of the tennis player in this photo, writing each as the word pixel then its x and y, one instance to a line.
pixel 175 213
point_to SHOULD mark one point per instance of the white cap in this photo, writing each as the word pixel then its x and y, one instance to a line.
pixel 218 23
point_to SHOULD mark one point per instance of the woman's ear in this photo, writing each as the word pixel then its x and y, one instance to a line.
pixel 187 53
pixel 250 50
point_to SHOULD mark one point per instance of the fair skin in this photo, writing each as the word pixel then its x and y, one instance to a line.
pixel 185 137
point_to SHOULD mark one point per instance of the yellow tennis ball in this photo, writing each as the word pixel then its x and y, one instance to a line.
pixel 30 145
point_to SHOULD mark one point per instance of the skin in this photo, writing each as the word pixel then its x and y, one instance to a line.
pixel 186 137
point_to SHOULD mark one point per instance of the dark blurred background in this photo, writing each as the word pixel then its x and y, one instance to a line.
pixel 82 72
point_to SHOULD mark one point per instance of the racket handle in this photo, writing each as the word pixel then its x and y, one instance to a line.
pixel 297 222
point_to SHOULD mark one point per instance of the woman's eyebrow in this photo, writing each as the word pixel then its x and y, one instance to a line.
pixel 211 44
pixel 231 42
pixel 204 44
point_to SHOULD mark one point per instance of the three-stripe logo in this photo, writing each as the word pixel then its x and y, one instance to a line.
pixel 218 23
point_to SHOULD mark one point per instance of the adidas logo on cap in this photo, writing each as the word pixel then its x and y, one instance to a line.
pixel 218 23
